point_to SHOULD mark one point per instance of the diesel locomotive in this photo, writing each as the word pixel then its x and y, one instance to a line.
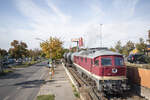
pixel 105 69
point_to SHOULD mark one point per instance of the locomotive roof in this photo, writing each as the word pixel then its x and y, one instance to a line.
pixel 93 54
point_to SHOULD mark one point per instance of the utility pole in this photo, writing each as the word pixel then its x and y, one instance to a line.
pixel 101 35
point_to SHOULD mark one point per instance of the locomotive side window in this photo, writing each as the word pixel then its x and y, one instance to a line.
pixel 119 61
pixel 106 61
pixel 96 62
pixel 85 59
pixel 81 59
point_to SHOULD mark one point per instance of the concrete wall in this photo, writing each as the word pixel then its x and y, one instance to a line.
pixel 140 79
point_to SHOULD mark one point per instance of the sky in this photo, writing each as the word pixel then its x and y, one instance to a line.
pixel 27 20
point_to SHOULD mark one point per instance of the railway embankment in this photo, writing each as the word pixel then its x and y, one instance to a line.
pixel 139 78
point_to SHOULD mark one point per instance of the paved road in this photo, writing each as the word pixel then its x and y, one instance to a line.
pixel 24 83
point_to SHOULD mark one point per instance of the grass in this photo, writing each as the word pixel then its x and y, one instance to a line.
pixel 26 64
pixel 75 92
pixel 46 97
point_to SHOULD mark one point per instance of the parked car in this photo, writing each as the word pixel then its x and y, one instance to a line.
pixel 137 58
pixel 19 61
pixel 10 61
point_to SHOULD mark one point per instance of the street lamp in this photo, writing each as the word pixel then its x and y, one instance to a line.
pixel 45 41
pixel 40 39
pixel 101 35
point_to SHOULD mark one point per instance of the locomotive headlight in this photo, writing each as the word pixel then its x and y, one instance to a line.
pixel 114 70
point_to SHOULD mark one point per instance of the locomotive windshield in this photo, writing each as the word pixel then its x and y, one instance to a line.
pixel 119 61
pixel 106 61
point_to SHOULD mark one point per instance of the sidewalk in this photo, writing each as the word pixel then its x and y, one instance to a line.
pixel 60 85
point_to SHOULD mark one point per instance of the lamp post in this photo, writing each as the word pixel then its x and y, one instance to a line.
pixel 40 39
pixel 101 35
pixel 45 41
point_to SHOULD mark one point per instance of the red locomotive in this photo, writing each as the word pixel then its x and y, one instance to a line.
pixel 105 68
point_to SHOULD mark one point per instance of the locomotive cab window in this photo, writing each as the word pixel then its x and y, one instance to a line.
pixel 96 62
pixel 119 61
pixel 106 61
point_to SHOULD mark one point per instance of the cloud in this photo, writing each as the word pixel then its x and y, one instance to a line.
pixel 63 17
pixel 125 8
pixel 119 23
pixel 112 33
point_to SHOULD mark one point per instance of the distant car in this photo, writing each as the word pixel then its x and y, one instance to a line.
pixel 19 61
pixel 136 58
pixel 10 61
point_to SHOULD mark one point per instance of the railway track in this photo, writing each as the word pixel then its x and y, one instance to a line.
pixel 91 92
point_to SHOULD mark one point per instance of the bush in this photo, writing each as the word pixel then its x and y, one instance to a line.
pixel 147 59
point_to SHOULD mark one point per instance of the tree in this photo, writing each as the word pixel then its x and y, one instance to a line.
pixel 112 49
pixel 118 47
pixel 18 50
pixel 148 36
pixel 35 53
pixel 128 47
pixel 3 53
pixel 52 48
pixel 141 46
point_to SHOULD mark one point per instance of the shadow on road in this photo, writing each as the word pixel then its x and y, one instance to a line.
pixel 11 76
pixel 32 84
pixel 39 65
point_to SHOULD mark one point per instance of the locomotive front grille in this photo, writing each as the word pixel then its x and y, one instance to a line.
pixel 117 86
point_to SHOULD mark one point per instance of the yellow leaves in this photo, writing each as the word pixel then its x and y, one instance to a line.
pixel 52 48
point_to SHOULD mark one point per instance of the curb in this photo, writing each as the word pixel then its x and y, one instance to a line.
pixel 73 81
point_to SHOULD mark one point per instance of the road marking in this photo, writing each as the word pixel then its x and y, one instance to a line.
pixel 42 76
pixel 6 98
pixel 18 88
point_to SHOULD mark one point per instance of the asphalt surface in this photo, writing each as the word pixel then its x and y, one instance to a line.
pixel 23 83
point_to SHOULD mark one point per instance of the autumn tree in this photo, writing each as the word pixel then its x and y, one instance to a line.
pixel 52 48
pixel 18 50
pixel 141 46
